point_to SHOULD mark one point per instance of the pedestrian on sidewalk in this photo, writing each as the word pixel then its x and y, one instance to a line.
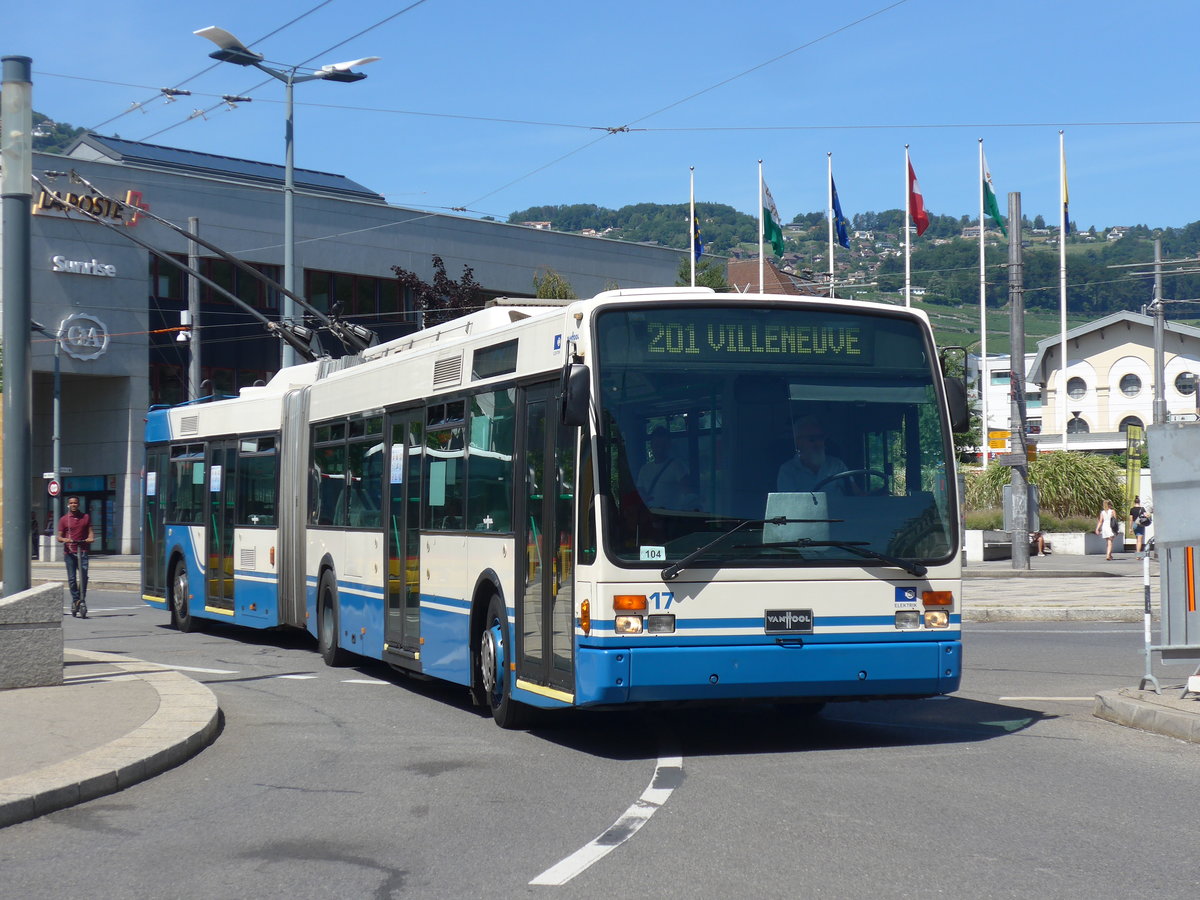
pixel 1139 518
pixel 74 532
pixel 1107 527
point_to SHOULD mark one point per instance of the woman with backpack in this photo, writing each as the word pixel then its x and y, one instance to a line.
pixel 1107 527
pixel 1139 518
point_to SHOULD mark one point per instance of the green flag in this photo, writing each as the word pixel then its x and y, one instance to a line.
pixel 772 232
pixel 989 200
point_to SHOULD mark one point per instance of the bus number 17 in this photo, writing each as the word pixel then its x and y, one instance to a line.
pixel 662 599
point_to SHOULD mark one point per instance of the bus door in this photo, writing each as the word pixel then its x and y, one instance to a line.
pixel 154 483
pixel 222 497
pixel 545 545
pixel 402 532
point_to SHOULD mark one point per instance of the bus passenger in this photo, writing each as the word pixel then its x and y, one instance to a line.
pixel 811 465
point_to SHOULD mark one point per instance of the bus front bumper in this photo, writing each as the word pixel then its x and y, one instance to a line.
pixel 832 671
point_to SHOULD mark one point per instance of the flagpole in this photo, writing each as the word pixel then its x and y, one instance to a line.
pixel 692 222
pixel 907 236
pixel 1062 286
pixel 984 379
pixel 761 227
pixel 829 191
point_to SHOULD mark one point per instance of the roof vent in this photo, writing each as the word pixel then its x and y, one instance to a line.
pixel 447 371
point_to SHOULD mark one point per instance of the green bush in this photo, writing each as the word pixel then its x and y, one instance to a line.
pixel 1070 485
pixel 985 519
pixel 993 520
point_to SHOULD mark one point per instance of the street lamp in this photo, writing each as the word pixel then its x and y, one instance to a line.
pixel 234 51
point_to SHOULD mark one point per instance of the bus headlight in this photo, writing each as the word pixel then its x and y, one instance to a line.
pixel 908 618
pixel 937 618
pixel 629 624
pixel 664 624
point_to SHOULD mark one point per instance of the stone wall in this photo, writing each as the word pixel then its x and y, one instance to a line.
pixel 31 638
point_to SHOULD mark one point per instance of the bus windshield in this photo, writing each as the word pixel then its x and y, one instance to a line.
pixel 817 428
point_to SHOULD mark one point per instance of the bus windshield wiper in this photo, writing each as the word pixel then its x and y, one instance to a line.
pixel 912 568
pixel 675 568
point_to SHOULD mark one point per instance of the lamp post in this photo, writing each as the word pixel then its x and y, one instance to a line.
pixel 234 51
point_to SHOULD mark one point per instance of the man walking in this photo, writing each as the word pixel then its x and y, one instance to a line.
pixel 75 533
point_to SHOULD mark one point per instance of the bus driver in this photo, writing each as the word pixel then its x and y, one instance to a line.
pixel 811 465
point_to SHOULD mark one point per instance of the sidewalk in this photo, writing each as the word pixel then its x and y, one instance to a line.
pixel 113 722
pixel 116 721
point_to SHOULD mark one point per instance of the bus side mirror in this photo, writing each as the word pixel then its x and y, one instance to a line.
pixel 956 398
pixel 576 395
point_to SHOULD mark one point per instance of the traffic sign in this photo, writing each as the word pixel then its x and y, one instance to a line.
pixel 53 488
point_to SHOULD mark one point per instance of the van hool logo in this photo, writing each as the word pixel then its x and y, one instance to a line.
pixel 788 620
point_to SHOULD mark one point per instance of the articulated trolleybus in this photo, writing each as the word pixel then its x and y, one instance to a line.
pixel 661 495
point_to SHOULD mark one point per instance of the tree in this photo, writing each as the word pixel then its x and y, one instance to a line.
pixel 446 298
pixel 709 273
pixel 552 286
pixel 1039 221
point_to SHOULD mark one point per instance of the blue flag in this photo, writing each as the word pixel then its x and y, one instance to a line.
pixel 697 243
pixel 839 221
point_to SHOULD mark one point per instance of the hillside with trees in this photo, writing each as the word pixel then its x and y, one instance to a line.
pixel 52 137
pixel 944 264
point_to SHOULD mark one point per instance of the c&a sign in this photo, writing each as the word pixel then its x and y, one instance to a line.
pixel 83 336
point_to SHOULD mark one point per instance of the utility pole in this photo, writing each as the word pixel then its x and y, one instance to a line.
pixel 1160 394
pixel 16 201
pixel 193 302
pixel 1016 443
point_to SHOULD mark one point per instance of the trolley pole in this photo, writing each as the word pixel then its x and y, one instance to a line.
pixel 1016 443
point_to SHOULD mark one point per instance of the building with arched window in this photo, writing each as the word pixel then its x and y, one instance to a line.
pixel 1108 384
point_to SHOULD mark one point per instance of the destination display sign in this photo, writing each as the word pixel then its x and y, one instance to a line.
pixel 809 337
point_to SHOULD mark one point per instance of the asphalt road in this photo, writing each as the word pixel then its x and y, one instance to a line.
pixel 362 783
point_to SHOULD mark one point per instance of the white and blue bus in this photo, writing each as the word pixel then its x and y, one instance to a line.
pixel 662 495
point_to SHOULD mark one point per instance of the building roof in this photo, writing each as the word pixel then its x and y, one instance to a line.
pixel 1131 318
pixel 95 146
pixel 743 275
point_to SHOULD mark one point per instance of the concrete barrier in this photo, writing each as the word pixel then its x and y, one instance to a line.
pixel 31 637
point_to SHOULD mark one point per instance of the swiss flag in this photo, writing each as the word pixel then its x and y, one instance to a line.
pixel 916 202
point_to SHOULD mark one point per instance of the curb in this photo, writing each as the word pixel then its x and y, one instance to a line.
pixel 1148 711
pixel 1057 614
pixel 187 721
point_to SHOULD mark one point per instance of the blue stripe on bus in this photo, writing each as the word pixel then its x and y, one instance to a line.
pixel 757 622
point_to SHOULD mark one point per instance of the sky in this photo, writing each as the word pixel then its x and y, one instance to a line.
pixel 494 107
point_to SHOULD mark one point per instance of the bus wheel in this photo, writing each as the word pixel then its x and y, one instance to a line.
pixel 181 618
pixel 494 672
pixel 327 622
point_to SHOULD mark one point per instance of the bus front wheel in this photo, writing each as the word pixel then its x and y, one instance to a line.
pixel 181 618
pixel 495 672
pixel 327 622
